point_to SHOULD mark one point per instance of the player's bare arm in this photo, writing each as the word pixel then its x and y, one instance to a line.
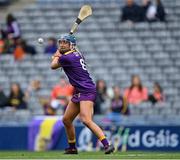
pixel 55 60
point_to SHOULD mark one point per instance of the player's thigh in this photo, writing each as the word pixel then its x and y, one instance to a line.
pixel 71 111
pixel 86 110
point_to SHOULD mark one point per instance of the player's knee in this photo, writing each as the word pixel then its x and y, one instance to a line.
pixel 66 121
pixel 86 121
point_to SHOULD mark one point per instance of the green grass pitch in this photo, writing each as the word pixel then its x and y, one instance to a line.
pixel 88 155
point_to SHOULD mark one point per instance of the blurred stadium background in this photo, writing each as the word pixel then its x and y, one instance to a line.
pixel 114 51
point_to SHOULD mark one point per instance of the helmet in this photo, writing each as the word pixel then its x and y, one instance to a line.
pixel 70 38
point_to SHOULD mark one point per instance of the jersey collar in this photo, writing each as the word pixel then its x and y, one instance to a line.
pixel 69 52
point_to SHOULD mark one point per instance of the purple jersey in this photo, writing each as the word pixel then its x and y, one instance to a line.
pixel 75 68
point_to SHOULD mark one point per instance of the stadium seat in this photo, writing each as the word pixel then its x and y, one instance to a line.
pixel 113 50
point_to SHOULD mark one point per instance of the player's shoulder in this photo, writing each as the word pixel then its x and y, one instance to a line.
pixel 76 54
pixel 71 56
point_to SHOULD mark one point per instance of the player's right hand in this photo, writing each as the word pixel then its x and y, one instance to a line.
pixel 57 54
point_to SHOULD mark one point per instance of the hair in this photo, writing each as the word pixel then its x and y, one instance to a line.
pixel 158 2
pixel 10 18
pixel 11 91
pixel 97 85
pixel 140 87
pixel 158 86
pixel 52 39
pixel 23 43
pixel 116 86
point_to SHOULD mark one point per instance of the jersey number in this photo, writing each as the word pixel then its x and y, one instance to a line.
pixel 83 64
